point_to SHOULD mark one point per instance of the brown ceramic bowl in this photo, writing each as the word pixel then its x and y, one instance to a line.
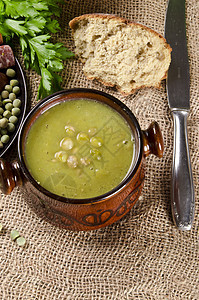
pixel 83 214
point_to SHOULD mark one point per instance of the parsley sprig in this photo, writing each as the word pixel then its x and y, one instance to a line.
pixel 31 21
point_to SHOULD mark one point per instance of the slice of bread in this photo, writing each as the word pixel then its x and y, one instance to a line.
pixel 120 53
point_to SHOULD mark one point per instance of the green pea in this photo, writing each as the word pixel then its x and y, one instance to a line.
pixel 9 106
pixel 8 88
pixel 16 111
pixel 3 123
pixel 12 96
pixel 14 234
pixel 96 154
pixel 10 127
pixel 82 137
pixel 1 145
pixel 96 142
pixel 17 103
pixel 70 130
pixel 72 161
pixel 14 82
pixel 92 131
pixel 1 103
pixel 16 90
pixel 85 161
pixel 5 101
pixel 7 114
pixel 5 94
pixel 13 119
pixel 66 143
pixel 10 72
pixel 21 241
pixel 1 117
pixel 1 110
pixel 61 155
pixel 4 131
pixel 5 139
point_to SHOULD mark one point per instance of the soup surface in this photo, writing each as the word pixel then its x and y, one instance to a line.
pixel 79 149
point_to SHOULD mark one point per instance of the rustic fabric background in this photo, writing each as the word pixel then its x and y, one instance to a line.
pixel 143 256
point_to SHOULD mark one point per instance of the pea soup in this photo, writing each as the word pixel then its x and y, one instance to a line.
pixel 79 149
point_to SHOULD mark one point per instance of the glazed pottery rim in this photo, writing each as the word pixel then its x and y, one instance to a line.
pixel 99 198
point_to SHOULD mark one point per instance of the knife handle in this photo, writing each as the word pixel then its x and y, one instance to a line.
pixel 182 189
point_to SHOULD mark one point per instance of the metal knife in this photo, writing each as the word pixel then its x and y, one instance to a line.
pixel 178 89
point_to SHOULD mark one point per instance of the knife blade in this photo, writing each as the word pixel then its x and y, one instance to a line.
pixel 178 93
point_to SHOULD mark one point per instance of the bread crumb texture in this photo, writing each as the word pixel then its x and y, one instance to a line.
pixel 120 53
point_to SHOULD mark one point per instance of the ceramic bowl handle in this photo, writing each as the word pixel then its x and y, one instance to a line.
pixel 10 176
pixel 153 140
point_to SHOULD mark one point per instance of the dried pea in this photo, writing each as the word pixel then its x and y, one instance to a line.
pixel 3 123
pixel 8 88
pixel 13 119
pixel 85 161
pixel 92 131
pixel 66 143
pixel 10 127
pixel 14 234
pixel 16 111
pixel 3 131
pixel 17 103
pixel 70 130
pixel 16 90
pixel 10 72
pixel 5 101
pixel 61 156
pixel 21 241
pixel 82 137
pixel 72 161
pixel 7 114
pixel 4 94
pixel 96 142
pixel 12 96
pixel 96 154
pixel 5 139
pixel 14 82
pixel 9 106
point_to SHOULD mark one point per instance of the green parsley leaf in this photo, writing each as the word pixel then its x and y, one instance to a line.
pixel 55 65
pixel 65 54
pixel 46 79
pixel 31 21
pixel 53 26
pixel 15 26
pixel 35 25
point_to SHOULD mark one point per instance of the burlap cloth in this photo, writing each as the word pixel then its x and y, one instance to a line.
pixel 141 257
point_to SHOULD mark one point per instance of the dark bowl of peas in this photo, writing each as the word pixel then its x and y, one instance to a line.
pixel 81 159
pixel 13 102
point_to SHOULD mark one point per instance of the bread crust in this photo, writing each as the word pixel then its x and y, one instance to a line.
pixel 74 22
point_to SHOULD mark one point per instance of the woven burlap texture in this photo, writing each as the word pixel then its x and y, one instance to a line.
pixel 141 257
